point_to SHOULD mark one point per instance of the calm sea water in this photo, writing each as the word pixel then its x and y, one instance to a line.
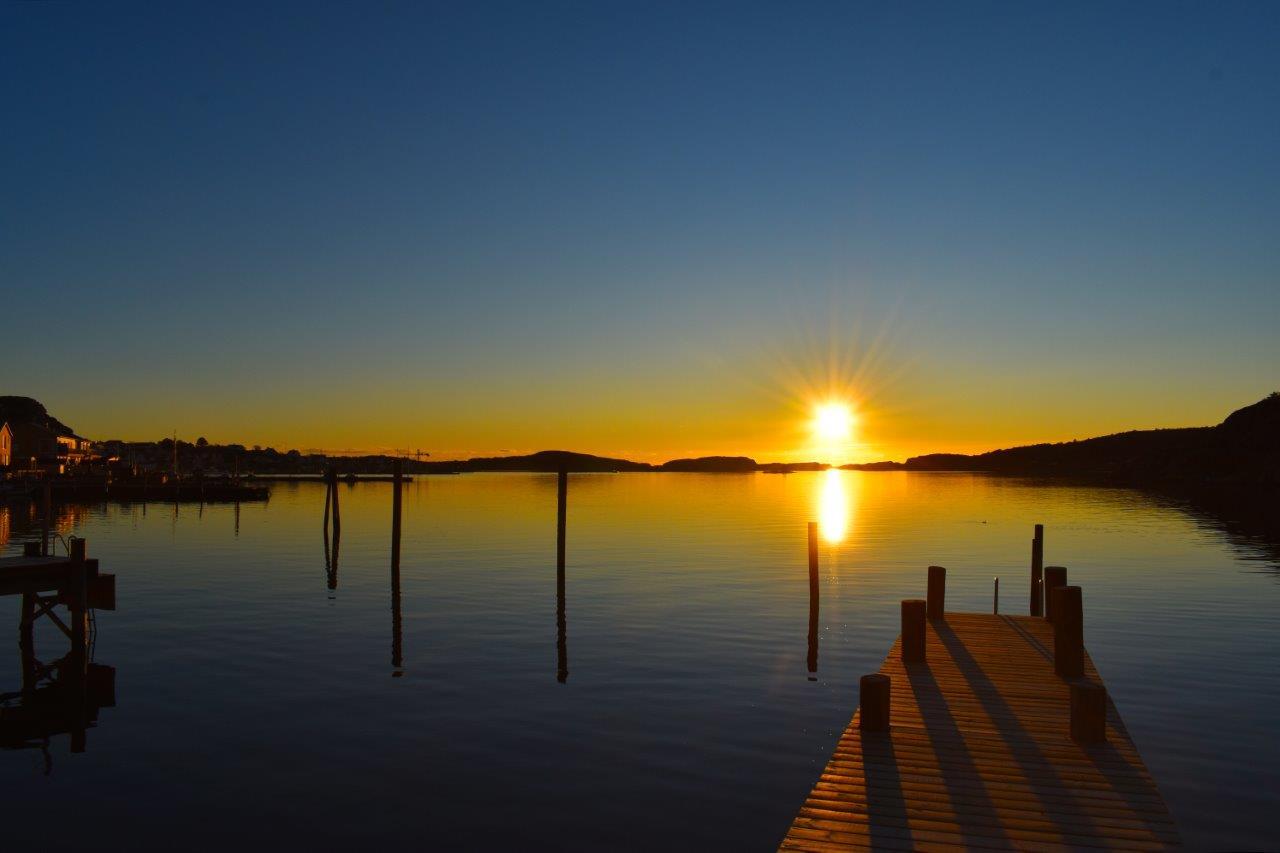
pixel 259 703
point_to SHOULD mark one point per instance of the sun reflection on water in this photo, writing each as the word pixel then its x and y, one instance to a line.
pixel 835 506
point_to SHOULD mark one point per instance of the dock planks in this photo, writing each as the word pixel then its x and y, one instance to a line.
pixel 979 755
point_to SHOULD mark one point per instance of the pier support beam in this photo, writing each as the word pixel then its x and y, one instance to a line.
pixel 937 593
pixel 1054 576
pixel 873 698
pixel 913 624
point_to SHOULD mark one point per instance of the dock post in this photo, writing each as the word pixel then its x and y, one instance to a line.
pixel 1037 572
pixel 812 658
pixel 937 593
pixel 1088 712
pixel 913 622
pixel 31 549
pixel 46 517
pixel 1054 576
pixel 1068 632
pixel 873 699
pixel 995 597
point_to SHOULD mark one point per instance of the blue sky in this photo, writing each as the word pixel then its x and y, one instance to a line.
pixel 639 228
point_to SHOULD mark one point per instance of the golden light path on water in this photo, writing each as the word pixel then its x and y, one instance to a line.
pixel 835 505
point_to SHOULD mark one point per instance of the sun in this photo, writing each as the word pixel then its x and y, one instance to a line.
pixel 833 422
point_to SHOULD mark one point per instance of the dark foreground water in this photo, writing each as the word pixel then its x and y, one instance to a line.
pixel 259 702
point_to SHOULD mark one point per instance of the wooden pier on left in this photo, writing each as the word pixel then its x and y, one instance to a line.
pixel 62 695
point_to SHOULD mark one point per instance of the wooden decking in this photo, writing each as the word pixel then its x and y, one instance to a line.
pixel 32 574
pixel 979 755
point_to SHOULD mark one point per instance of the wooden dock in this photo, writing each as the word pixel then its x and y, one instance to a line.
pixel 979 754
pixel 63 695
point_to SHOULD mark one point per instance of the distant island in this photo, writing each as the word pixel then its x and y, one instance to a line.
pixel 1244 448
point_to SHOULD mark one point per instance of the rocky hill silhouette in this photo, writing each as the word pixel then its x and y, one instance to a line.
pixel 25 410
pixel 1244 448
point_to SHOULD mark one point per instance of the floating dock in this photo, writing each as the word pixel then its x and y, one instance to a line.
pixel 978 753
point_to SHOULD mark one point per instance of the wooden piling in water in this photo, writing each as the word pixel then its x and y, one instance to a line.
pixel 873 702
pixel 913 622
pixel 1068 631
pixel 328 497
pixel 337 512
pixel 396 483
pixel 1054 576
pixel 937 592
pixel 1037 572
pixel 995 597
pixel 562 504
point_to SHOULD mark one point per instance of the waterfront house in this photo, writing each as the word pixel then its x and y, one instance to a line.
pixel 73 450
pixel 6 444
pixel 33 447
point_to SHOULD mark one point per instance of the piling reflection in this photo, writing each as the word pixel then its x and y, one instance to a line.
pixel 332 532
pixel 562 643
pixel 58 702
pixel 397 644
pixel 397 639
pixel 812 656
pixel 331 560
